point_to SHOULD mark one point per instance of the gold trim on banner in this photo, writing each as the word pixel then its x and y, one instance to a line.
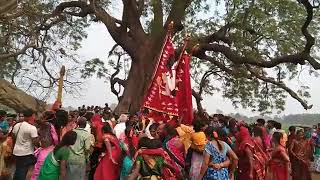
pixel 161 111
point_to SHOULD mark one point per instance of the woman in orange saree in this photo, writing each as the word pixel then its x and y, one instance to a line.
pixel 109 165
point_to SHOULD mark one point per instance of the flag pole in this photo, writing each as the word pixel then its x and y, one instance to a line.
pixel 195 48
pixel 168 35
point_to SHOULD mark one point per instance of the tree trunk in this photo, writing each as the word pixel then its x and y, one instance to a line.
pixel 18 100
pixel 199 106
pixel 7 5
pixel 139 78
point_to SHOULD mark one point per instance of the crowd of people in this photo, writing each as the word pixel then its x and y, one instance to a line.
pixel 92 143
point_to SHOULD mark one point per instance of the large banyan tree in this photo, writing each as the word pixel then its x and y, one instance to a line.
pixel 244 49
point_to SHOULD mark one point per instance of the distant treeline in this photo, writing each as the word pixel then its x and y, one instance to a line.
pixel 302 119
pixel 307 119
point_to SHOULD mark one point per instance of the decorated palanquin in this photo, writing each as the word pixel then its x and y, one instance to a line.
pixel 169 94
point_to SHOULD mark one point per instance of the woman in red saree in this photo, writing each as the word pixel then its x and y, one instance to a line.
pixel 258 138
pixel 261 155
pixel 96 130
pixel 279 164
pixel 244 151
pixel 109 165
pixel 300 150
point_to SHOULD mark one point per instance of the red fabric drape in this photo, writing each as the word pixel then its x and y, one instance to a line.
pixel 170 90
pixel 184 95
pixel 158 96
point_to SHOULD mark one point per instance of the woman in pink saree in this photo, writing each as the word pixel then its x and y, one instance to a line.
pixel 48 139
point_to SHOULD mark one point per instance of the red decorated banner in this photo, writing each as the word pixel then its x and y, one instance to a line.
pixel 169 93
pixel 184 95
pixel 159 96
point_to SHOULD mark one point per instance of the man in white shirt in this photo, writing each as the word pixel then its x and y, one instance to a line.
pixel 26 136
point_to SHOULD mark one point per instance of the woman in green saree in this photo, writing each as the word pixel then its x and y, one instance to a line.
pixel 54 166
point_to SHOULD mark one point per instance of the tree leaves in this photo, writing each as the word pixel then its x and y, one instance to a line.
pixel 49 41
pixel 259 30
pixel 94 66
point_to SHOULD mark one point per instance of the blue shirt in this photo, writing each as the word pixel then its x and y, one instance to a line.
pixel 4 125
pixel 226 130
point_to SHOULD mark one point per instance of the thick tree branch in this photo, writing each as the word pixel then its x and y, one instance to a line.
pixel 114 80
pixel 177 14
pixel 140 6
pixel 309 38
pixel 4 56
pixel 314 63
pixel 297 58
pixel 216 63
pixel 120 36
pixel 196 95
pixel 281 85
pixel 7 5
pixel 157 17
pixel 220 35
pixel 198 99
pixel 85 9
pixel 15 98
pixel 131 20
pixel 258 75
pixel 202 84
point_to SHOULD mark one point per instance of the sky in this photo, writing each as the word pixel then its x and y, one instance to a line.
pixel 97 92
